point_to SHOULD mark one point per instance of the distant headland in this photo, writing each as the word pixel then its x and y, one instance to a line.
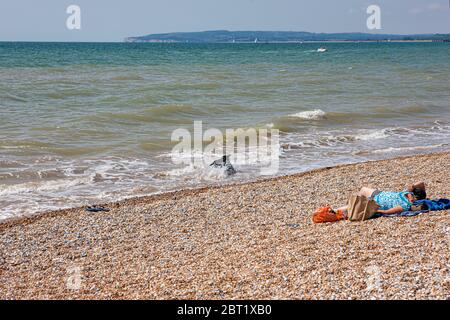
pixel 224 36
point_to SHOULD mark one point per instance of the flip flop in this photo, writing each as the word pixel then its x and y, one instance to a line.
pixel 97 209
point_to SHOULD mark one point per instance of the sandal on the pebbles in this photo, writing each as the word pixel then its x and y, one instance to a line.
pixel 97 209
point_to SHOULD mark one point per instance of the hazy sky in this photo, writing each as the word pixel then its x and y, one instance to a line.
pixel 113 20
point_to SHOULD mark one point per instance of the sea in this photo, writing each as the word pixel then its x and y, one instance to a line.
pixel 90 123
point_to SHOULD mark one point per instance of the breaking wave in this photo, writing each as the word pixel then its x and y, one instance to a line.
pixel 316 114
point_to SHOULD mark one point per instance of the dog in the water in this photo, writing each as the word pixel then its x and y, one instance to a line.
pixel 225 163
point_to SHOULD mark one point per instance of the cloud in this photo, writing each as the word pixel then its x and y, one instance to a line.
pixel 415 11
pixel 436 6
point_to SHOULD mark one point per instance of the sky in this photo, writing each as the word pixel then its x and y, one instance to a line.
pixel 113 20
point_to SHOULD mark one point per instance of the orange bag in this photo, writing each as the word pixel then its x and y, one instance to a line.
pixel 326 214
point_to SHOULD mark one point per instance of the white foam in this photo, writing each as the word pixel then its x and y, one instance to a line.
pixel 31 187
pixel 316 114
pixel 399 149
pixel 377 134
pixel 181 171
pixel 198 174
pixel 14 147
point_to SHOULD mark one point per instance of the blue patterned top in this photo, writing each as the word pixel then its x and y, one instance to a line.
pixel 388 200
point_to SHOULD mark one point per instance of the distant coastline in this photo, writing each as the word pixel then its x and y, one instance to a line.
pixel 224 36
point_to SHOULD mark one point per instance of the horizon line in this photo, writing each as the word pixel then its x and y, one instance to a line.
pixel 225 30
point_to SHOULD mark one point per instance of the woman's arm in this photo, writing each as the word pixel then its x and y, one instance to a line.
pixel 397 209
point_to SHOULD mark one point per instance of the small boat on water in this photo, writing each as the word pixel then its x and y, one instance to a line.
pixel 322 49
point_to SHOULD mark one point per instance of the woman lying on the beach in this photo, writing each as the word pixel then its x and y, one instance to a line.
pixel 389 202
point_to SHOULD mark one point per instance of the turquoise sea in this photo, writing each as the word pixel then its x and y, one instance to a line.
pixel 85 123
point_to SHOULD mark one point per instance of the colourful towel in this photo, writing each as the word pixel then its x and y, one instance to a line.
pixel 432 205
pixel 400 214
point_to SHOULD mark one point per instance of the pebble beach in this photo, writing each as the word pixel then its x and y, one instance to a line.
pixel 247 241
